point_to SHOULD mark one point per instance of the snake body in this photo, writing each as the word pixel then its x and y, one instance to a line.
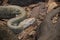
pixel 11 12
pixel 46 28
pixel 20 22
pixel 14 22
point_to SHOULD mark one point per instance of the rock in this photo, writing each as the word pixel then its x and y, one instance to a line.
pixel 23 2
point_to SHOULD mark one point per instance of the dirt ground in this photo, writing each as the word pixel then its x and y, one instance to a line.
pixel 37 10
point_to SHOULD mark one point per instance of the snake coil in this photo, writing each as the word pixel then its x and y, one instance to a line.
pixel 11 11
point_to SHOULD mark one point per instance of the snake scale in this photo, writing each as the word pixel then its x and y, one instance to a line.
pixel 10 11
pixel 15 13
pixel 46 30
